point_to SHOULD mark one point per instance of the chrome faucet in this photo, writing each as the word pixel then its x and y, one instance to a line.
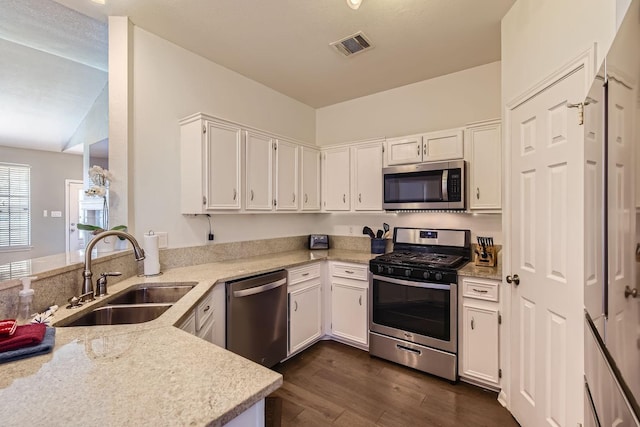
pixel 87 285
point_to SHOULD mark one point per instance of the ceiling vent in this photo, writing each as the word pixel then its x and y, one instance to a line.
pixel 353 44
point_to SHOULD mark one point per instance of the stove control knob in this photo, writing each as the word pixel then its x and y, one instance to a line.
pixel 407 272
pixel 380 269
pixel 425 274
pixel 389 270
pixel 438 276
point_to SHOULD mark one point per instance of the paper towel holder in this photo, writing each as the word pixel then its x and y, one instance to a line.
pixel 149 251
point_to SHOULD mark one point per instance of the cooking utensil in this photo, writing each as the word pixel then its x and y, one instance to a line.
pixel 379 234
pixel 368 231
pixel 385 227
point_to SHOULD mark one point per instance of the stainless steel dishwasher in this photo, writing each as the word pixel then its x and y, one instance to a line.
pixel 257 317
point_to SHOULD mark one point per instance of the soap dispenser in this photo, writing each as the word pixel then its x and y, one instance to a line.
pixel 25 298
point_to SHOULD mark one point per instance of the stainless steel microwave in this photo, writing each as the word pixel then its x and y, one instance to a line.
pixel 437 185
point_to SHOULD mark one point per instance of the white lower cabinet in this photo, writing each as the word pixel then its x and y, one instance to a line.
pixel 480 332
pixel 349 303
pixel 305 306
pixel 207 319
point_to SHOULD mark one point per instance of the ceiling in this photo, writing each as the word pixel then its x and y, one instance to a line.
pixel 53 68
pixel 284 44
pixel 58 50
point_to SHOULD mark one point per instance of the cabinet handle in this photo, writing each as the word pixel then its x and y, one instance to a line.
pixel 204 200
pixel 418 149
pixel 252 195
pixel 294 197
pixel 235 194
pixel 480 291
pixel 296 308
pixel 206 309
pixel 424 149
pixel 348 271
pixel 473 324
pixel 478 193
pixel 344 198
pixel 360 197
pixel 305 274
pixel 360 300
pixel 306 197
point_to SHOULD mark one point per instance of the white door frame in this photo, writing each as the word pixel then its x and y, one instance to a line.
pixel 587 61
pixel 67 186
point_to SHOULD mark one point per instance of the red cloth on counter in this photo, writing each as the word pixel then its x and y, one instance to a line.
pixel 24 336
pixel 8 327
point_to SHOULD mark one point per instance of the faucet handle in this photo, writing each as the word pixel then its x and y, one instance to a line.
pixel 111 273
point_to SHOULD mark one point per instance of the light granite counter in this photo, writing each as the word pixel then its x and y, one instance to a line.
pixel 150 373
pixel 493 273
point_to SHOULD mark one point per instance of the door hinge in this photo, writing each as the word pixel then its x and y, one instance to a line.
pixel 383 147
pixel 499 373
pixel 580 107
pixel 204 129
pixel 499 318
pixel 275 146
pixel 275 203
pixel 204 200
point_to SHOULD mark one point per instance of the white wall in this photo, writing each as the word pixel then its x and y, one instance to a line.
pixel 48 173
pixel 541 36
pixel 170 83
pixel 440 103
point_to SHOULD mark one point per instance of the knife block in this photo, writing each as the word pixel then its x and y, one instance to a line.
pixel 489 260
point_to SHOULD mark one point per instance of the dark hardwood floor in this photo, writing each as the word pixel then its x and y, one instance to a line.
pixel 334 384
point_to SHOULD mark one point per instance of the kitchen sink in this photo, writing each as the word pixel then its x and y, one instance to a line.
pixel 121 314
pixel 149 293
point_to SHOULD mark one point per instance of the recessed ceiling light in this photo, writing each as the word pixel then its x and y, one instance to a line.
pixel 354 4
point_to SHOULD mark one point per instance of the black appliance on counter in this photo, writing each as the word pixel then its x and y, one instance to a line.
pixel 413 307
pixel 612 279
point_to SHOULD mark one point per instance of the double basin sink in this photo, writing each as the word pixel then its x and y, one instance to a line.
pixel 142 303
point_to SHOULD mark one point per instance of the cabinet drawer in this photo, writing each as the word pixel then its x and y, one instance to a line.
pixel 306 272
pixel 350 271
pixel 480 289
pixel 204 310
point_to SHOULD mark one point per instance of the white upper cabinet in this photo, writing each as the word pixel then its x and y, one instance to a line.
pixel 286 186
pixel 428 147
pixel 443 145
pixel 310 179
pixel 403 150
pixel 210 165
pixel 367 160
pixel 259 166
pixel 336 182
pixel 485 165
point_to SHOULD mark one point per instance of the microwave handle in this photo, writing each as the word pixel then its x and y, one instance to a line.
pixel 445 185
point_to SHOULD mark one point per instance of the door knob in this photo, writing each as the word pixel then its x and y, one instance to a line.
pixel 628 291
pixel 515 279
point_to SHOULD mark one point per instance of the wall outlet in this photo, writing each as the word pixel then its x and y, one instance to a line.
pixel 163 239
pixel 56 214
pixel 44 213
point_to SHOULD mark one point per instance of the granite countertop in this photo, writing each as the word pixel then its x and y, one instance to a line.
pixel 493 273
pixel 149 373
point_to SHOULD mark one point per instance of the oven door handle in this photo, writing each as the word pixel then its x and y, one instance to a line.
pixel 425 285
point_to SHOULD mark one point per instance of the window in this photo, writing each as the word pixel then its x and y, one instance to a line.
pixel 15 206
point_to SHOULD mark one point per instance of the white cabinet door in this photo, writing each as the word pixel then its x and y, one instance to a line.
pixel 259 166
pixel 335 177
pixel 286 176
pixel 310 194
pixel 480 344
pixel 349 313
pixel 485 163
pixel 443 145
pixel 404 150
pixel 208 331
pixel 223 146
pixel 305 314
pixel 189 325
pixel 368 177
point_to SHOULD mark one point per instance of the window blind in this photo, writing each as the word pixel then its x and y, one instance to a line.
pixel 15 206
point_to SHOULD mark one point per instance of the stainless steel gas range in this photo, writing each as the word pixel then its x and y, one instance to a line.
pixel 414 299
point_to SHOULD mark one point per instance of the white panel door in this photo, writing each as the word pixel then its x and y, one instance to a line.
pixel 223 166
pixel 622 335
pixel 310 184
pixel 480 343
pixel 443 145
pixel 547 170
pixel 74 194
pixel 368 177
pixel 286 176
pixel 259 166
pixel 305 315
pixel 349 313
pixel 485 190
pixel 404 150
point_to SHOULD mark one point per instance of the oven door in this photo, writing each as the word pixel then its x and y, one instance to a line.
pixel 419 312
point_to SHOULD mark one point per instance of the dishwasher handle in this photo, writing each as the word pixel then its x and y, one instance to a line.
pixel 259 289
